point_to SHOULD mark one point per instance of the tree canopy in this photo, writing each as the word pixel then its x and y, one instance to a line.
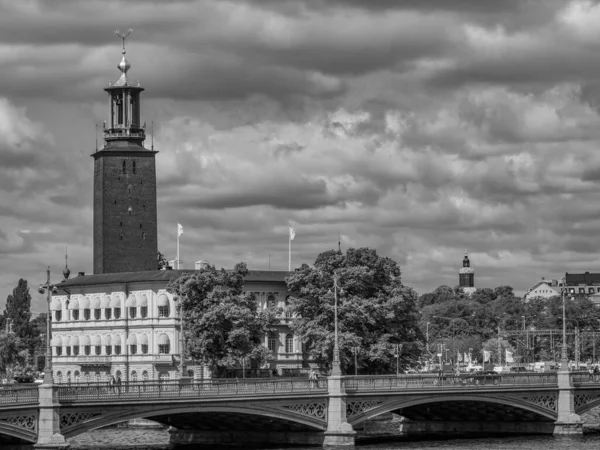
pixel 376 313
pixel 222 327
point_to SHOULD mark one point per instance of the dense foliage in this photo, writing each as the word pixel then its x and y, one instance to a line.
pixel 222 327
pixel 377 314
pixel 459 324
pixel 21 338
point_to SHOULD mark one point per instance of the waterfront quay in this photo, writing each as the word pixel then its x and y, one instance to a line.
pixel 328 412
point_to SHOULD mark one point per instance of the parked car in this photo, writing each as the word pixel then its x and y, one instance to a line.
pixel 518 369
pixel 24 379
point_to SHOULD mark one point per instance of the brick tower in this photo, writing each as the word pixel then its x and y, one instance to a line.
pixel 125 225
pixel 466 276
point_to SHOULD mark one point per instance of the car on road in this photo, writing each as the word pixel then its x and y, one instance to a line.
pixel 518 369
pixel 483 377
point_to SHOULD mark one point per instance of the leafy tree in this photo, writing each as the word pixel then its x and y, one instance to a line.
pixel 376 312
pixel 18 310
pixel 13 354
pixel 222 326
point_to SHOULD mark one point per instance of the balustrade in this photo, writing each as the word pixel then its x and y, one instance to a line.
pixel 19 395
pixel 212 388
pixel 433 381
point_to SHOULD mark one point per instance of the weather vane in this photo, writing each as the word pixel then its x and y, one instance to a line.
pixel 123 36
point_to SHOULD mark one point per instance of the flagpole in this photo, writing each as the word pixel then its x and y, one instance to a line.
pixel 290 250
pixel 177 246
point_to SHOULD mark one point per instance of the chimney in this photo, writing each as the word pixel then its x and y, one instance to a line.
pixel 80 274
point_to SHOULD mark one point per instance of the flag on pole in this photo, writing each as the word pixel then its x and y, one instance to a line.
pixel 486 356
pixel 292 233
pixel 179 229
pixel 509 357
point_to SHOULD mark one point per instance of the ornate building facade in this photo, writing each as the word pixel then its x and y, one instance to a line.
pixel 127 325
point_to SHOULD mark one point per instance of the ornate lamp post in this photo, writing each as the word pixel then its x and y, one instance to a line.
pixel 49 289
pixel 564 362
pixel 336 369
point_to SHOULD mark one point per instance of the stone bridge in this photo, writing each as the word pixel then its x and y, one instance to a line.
pixel 299 411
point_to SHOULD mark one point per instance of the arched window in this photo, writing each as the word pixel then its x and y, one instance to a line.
pixel 145 375
pixel 76 376
pixel 272 343
pixel 132 342
pixel 164 344
pixel 133 376
pixel 58 315
pixel 289 343
pixel 163 306
pixel 118 374
pixel 98 377
pixel 164 376
pixel 59 376
pixel 288 308
pixel 88 377
pixel 124 167
pixel 271 301
pixel 69 376
pixel 143 343
pixel 97 313
pixel 116 342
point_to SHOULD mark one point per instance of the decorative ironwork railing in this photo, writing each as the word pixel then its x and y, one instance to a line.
pixel 584 377
pixel 432 381
pixel 215 388
pixel 19 395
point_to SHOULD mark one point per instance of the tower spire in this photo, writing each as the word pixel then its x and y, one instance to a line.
pixel 124 115
pixel 66 271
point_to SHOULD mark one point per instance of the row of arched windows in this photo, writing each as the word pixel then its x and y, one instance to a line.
pixel 73 345
pixel 97 377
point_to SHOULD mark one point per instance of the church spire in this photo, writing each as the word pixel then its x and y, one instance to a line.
pixel 66 271
pixel 124 115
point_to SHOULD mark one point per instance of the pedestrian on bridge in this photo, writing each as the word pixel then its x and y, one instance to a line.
pixel 112 383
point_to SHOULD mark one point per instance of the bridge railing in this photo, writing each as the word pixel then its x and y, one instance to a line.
pixel 208 389
pixel 19 395
pixel 584 377
pixel 433 381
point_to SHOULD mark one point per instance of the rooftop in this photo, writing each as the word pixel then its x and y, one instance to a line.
pixel 165 275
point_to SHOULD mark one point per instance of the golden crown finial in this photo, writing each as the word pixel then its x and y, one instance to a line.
pixel 123 36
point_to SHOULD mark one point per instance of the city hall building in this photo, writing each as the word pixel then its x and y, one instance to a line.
pixel 121 321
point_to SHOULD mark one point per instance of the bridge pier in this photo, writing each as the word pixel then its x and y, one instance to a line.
pixel 339 433
pixel 49 436
pixel 568 423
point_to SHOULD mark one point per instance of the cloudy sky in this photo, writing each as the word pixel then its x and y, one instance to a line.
pixel 421 131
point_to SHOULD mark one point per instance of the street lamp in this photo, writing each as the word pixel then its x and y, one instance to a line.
pixel 336 369
pixel 49 289
pixel 427 337
pixel 564 363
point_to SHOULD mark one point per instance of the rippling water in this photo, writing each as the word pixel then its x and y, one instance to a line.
pixel 153 439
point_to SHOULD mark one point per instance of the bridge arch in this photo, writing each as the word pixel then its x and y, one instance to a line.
pixel 108 417
pixel 401 403
pixel 14 431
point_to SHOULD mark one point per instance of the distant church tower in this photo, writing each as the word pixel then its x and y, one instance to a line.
pixel 125 224
pixel 466 276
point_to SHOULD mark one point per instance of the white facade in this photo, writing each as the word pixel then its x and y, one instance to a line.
pixel 131 329
pixel 543 289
